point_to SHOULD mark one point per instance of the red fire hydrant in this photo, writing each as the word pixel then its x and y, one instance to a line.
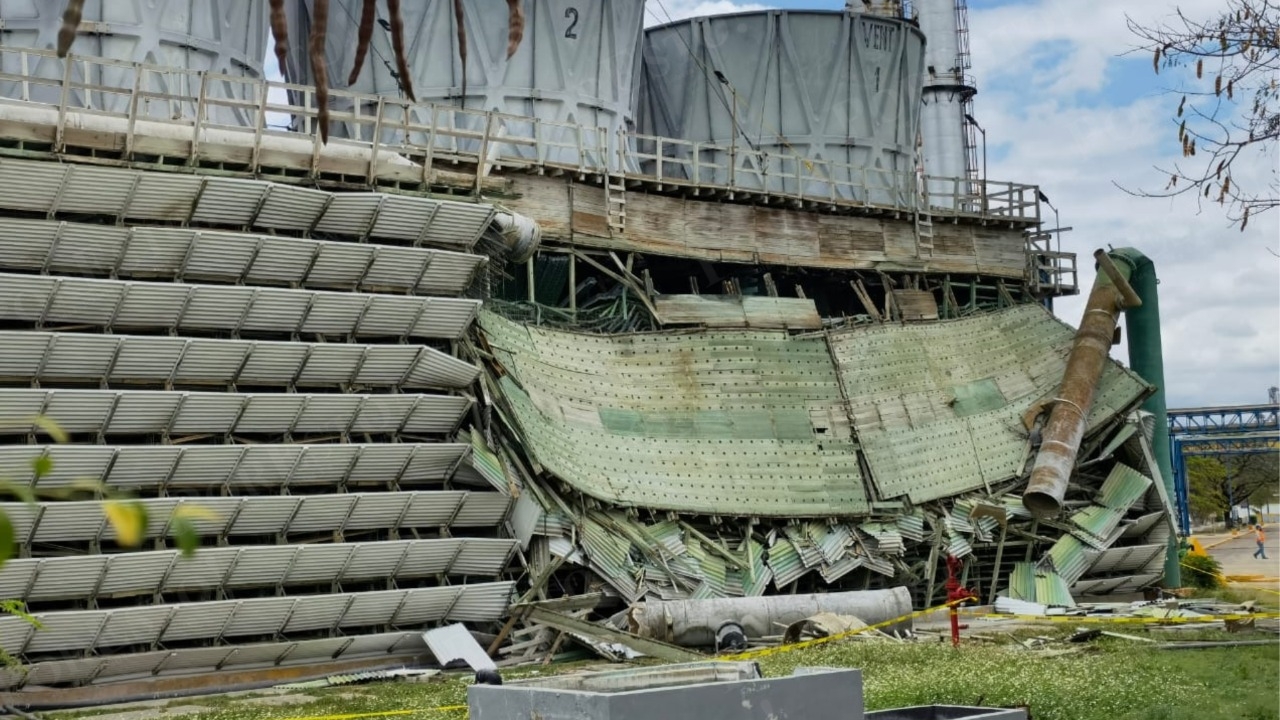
pixel 956 595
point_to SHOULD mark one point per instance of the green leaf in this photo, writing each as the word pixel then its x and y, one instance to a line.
pixel 50 428
pixel 22 492
pixel 42 466
pixel 184 531
pixel 6 538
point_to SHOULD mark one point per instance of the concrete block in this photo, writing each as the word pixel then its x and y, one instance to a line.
pixel 696 691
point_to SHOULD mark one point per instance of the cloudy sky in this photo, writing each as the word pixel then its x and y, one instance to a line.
pixel 1065 108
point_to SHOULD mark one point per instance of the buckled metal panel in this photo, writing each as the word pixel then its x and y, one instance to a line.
pixel 1107 586
pixel 613 416
pixel 903 383
pixel 121 304
pixel 65 671
pixel 1130 559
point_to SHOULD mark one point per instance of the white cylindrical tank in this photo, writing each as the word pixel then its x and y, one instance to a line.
pixel 574 66
pixel 825 86
pixel 220 36
pixel 946 89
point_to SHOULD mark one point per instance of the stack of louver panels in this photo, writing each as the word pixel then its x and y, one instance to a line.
pixel 278 357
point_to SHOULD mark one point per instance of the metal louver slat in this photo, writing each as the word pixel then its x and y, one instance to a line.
pixel 72 577
pixel 132 626
pixel 86 248
pixel 229 201
pixel 152 251
pixel 288 207
pixel 403 217
pixel 26 244
pixel 163 197
pixel 458 224
pixel 122 304
pixel 218 255
pixel 30 186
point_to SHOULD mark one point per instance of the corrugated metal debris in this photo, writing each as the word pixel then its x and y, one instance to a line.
pixel 713 463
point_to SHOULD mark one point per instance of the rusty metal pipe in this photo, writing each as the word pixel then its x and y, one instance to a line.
pixel 1068 418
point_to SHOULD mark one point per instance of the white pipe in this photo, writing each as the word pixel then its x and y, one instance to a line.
pixel 301 145
pixel 694 623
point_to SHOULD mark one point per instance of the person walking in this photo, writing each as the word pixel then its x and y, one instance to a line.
pixel 1261 537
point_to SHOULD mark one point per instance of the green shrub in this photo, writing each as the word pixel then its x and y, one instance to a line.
pixel 1201 571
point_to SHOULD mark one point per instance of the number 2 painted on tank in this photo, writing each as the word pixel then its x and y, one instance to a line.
pixel 571 13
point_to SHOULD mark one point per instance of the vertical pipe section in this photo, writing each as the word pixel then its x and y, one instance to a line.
pixel 1089 351
pixel 1146 358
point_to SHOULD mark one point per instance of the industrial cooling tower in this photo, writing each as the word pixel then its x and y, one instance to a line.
pixel 840 90
pixel 177 37
pixel 574 66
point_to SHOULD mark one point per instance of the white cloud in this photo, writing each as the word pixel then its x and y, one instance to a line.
pixel 1220 288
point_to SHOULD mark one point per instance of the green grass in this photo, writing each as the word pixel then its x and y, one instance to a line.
pixel 1106 679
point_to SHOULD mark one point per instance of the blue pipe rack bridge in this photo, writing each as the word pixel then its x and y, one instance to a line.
pixel 1216 432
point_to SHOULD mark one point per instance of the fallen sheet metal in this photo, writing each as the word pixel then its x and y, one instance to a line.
pixel 453 643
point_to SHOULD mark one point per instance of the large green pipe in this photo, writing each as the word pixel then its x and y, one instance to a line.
pixel 1146 358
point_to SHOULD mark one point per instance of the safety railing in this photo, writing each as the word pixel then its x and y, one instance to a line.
pixel 268 124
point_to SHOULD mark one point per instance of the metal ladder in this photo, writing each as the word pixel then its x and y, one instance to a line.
pixel 615 200
pixel 923 220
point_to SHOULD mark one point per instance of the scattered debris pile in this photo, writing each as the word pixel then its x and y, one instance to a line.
pixel 696 464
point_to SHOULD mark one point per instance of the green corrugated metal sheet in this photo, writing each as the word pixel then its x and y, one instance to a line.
pixel 902 386
pixel 1052 590
pixel 1123 487
pixel 1097 524
pixel 1022 582
pixel 488 464
pixel 1071 558
pixel 785 563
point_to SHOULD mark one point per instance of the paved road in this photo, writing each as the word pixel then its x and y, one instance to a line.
pixel 1236 555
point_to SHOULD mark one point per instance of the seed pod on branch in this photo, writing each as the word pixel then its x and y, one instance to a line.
pixel 515 26
pixel 319 31
pixel 70 26
pixel 460 17
pixel 368 17
pixel 280 31
pixel 397 44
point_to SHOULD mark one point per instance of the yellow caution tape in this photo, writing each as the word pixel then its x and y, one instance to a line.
pixel 1129 620
pixel 383 713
